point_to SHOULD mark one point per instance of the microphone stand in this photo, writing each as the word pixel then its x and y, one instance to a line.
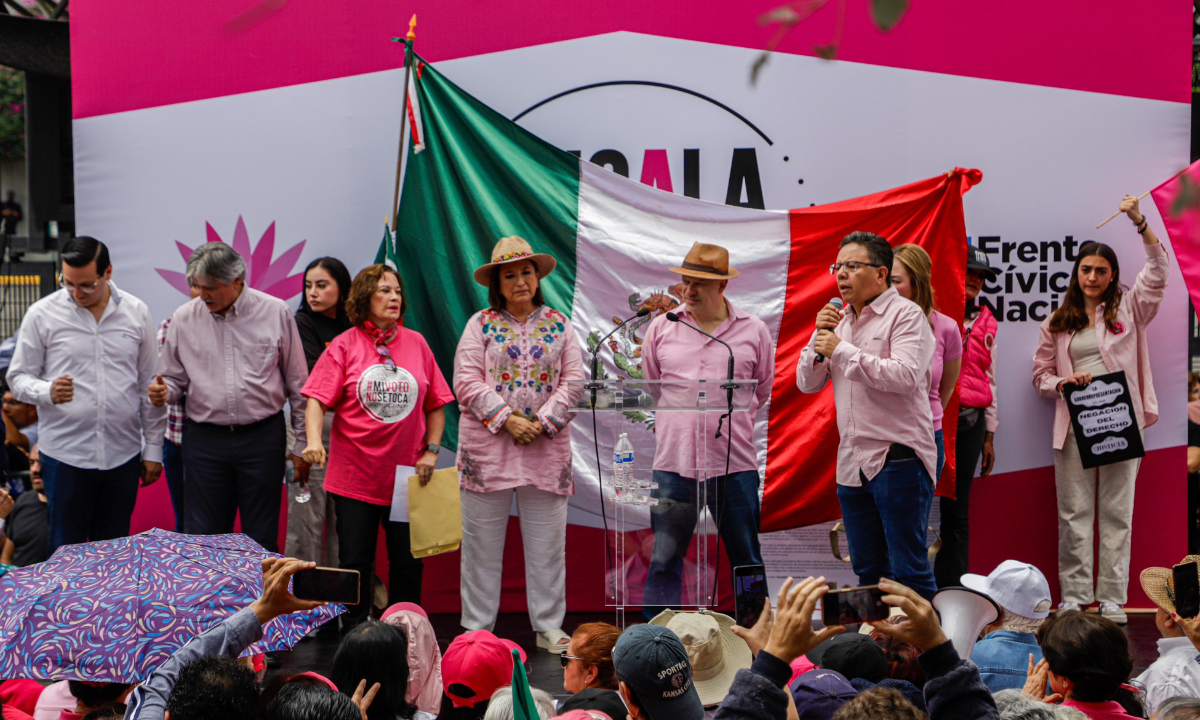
pixel 593 386
pixel 729 386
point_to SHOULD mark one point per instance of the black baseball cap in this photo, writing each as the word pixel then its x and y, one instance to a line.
pixel 652 661
pixel 606 701
pixel 977 259
pixel 852 654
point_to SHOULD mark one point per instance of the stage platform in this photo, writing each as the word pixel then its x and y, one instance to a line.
pixel 545 672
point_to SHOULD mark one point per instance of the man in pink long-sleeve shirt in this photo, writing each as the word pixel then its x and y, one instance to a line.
pixel 236 355
pixel 673 351
pixel 878 354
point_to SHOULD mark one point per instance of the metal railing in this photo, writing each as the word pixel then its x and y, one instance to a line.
pixel 17 293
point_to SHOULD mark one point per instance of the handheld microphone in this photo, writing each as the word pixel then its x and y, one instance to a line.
pixel 729 386
pixel 838 303
pixel 596 352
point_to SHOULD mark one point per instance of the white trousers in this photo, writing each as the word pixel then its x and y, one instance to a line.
pixel 1107 490
pixel 544 533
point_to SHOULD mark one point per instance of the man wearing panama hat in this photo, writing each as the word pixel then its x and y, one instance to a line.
pixel 1176 672
pixel 673 351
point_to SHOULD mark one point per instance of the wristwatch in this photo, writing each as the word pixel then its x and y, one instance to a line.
pixel 435 449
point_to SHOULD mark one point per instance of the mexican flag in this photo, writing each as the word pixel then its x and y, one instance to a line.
pixel 481 177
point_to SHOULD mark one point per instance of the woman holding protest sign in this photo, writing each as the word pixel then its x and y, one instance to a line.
pixel 1100 328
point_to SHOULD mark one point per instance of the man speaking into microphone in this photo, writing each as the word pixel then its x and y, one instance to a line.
pixel 878 352
pixel 672 350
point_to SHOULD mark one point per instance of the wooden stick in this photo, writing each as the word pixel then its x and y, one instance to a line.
pixel 408 40
pixel 1110 217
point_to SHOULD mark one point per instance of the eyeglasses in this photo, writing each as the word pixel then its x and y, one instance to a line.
pixel 566 659
pixel 85 288
pixel 851 266
pixel 387 357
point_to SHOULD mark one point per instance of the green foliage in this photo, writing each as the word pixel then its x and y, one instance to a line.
pixel 12 114
pixel 886 13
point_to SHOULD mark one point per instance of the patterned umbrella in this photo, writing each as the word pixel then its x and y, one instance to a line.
pixel 114 611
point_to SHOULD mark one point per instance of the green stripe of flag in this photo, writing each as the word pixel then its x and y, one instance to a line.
pixel 481 177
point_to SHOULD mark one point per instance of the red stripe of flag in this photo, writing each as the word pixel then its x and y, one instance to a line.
pixel 802 435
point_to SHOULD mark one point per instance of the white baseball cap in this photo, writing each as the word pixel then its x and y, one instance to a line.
pixel 1017 587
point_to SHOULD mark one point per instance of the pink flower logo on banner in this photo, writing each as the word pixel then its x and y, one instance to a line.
pixel 263 273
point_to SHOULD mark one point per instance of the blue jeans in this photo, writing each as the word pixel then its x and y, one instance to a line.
pixel 86 504
pixel 173 469
pixel 940 440
pixel 885 521
pixel 673 521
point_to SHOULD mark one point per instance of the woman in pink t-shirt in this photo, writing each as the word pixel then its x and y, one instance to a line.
pixel 511 374
pixel 388 396
pixel 912 271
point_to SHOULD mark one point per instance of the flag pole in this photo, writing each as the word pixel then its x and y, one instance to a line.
pixel 1110 217
pixel 408 43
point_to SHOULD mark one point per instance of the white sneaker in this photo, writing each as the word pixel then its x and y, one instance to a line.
pixel 1114 612
pixel 1069 607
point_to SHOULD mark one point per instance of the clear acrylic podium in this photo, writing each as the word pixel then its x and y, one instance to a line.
pixel 680 572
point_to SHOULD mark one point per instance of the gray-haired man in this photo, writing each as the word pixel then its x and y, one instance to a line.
pixel 235 354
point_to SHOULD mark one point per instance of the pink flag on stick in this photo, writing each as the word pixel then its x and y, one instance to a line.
pixel 1178 201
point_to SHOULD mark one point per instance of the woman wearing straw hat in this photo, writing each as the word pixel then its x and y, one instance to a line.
pixel 510 376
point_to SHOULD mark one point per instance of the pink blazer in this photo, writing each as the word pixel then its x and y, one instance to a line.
pixel 1124 350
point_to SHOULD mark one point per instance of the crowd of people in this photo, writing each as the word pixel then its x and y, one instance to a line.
pixel 235 391
pixel 1029 665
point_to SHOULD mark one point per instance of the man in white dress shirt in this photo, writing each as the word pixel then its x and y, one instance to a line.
pixel 85 357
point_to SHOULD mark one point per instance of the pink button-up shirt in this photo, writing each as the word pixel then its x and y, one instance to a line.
pixel 1125 350
pixel 238 368
pixel 881 373
pixel 503 366
pixel 672 351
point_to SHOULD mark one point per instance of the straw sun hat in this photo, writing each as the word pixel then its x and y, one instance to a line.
pixel 716 654
pixel 710 262
pixel 1155 581
pixel 512 249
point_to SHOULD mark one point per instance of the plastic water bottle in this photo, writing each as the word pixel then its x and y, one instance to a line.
pixel 302 493
pixel 623 463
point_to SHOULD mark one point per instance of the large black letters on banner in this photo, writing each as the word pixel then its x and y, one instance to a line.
pixel 1106 428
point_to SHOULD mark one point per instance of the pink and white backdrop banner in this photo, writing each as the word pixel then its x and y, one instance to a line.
pixel 274 127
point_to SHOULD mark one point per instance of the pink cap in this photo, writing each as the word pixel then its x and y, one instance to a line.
pixel 319 678
pixel 476 665
pixel 411 607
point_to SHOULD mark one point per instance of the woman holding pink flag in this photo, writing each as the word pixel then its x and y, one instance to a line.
pixel 1100 328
